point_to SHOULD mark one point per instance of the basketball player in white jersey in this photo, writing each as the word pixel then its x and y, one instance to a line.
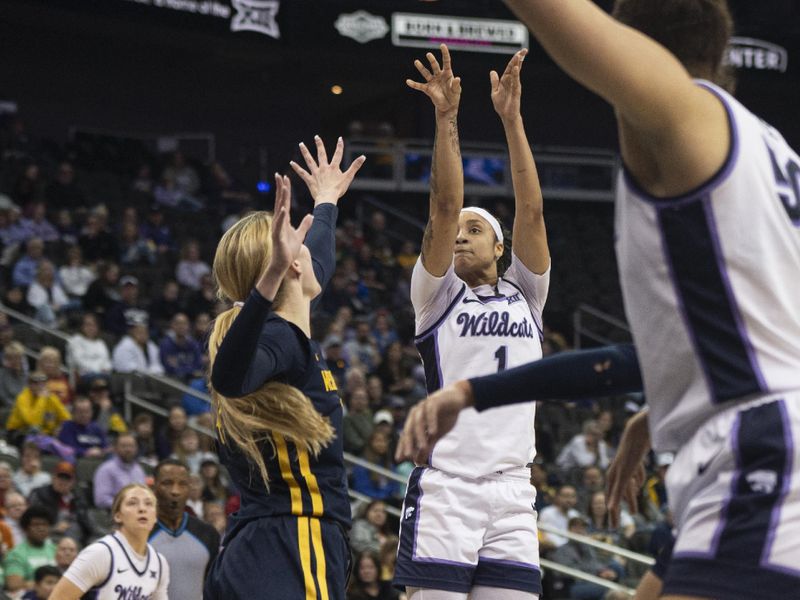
pixel 709 258
pixel 468 524
pixel 121 565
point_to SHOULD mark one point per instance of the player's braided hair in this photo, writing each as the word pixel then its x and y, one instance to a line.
pixel 253 420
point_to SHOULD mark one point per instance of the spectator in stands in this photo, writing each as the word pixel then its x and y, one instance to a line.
pixel 592 481
pixel 201 327
pixel 118 471
pixel 66 551
pixel 395 371
pixel 134 249
pixel 183 174
pixel 136 352
pixel 215 487
pixel 214 515
pixel 370 528
pixel 557 516
pixel 102 293
pixel 145 438
pixel 203 300
pixel 37 226
pixel 375 392
pixel 584 558
pixel 366 584
pixel 105 415
pixel 357 425
pixel 195 502
pixel 87 352
pixel 120 313
pixel 13 374
pixel 68 232
pixel 363 349
pixel 30 476
pixel 58 383
pixel 189 453
pixel 30 186
pixel 14 506
pixel 388 556
pixel 165 306
pixel 44 580
pixel 600 526
pixel 46 296
pixel 6 480
pixel 12 236
pixel 383 330
pixel 35 551
pixel 155 230
pixel 195 405
pixel 68 507
pixel 188 544
pixel 75 275
pixel 15 300
pixel 334 356
pixel 167 441
pixel 180 353
pixel 63 192
pixel 96 242
pixel 224 192
pixel 82 434
pixel 25 268
pixel 369 483
pixel 36 408
pixel 143 182
pixel 655 488
pixel 191 267
pixel 539 480
pixel 586 448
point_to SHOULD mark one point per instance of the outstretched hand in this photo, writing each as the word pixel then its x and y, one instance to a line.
pixel 430 420
pixel 507 89
pixel 286 240
pixel 440 85
pixel 325 180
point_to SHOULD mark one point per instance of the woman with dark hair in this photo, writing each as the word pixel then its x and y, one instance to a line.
pixel 395 370
pixel 278 414
pixel 378 452
pixel 366 583
pixel 371 528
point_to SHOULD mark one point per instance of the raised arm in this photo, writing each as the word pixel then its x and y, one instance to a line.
pixel 327 184
pixel 682 126
pixel 529 235
pixel 447 172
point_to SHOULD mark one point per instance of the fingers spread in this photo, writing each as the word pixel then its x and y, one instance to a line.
pixel 423 70
pixel 355 166
pixel 446 62
pixel 415 85
pixel 322 156
pixel 435 68
pixel 301 172
pixel 310 162
pixel 337 154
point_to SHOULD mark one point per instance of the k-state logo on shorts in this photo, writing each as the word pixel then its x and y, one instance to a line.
pixel 763 482
pixel 409 513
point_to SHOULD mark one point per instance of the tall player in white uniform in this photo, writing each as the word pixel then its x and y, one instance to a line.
pixel 121 565
pixel 468 524
pixel 708 210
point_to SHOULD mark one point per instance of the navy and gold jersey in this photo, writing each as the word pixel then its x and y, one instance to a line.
pixel 299 483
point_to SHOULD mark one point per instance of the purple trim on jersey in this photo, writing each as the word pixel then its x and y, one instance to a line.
pixel 445 314
pixel 713 182
pixel 513 563
pixel 684 313
pixel 418 508
pixel 539 328
pixel 110 571
pixel 135 570
pixel 726 282
pixel 787 485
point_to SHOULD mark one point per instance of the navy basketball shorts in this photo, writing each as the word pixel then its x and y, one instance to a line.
pixel 734 490
pixel 281 558
pixel 456 533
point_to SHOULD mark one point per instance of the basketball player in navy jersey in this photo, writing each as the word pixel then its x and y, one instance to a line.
pixel 278 411
pixel 469 527
pixel 709 258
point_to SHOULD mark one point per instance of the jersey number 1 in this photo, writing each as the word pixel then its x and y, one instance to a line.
pixel 501 355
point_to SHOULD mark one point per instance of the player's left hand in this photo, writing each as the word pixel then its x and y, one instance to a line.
pixel 432 419
pixel 507 89
pixel 325 180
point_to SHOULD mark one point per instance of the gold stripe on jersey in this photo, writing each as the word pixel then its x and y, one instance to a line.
pixel 319 554
pixel 305 558
pixel 329 380
pixel 311 482
pixel 286 472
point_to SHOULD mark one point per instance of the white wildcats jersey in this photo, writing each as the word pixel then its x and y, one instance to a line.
pixel 110 569
pixel 463 332
pixel 711 281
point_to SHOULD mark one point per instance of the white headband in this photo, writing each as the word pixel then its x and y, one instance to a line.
pixel 498 231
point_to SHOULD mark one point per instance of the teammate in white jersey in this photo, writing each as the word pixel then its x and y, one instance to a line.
pixel 709 258
pixel 468 523
pixel 121 565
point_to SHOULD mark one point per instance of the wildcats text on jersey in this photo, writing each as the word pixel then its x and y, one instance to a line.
pixel 493 324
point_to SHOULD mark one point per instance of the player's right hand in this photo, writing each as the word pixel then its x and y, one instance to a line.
pixel 286 240
pixel 440 85
pixel 431 420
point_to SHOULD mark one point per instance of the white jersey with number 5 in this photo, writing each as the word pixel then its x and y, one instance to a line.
pixel 711 281
pixel 463 332
pixel 111 570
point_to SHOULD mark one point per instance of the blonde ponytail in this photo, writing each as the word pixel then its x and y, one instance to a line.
pixel 251 421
